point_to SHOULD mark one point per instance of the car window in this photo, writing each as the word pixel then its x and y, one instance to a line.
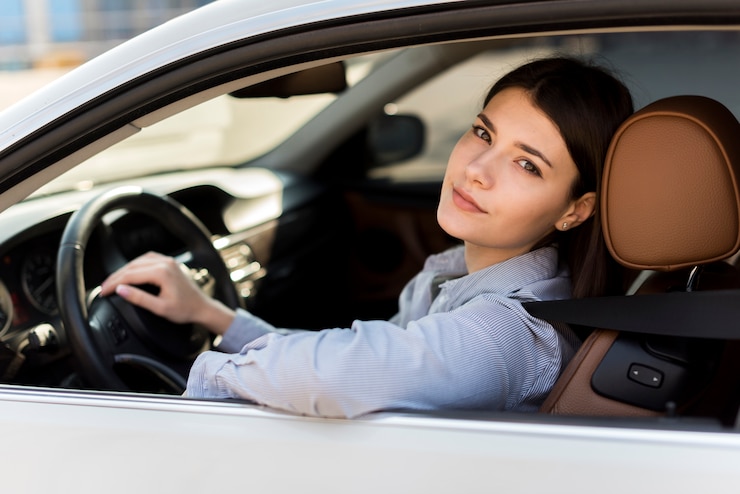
pixel 322 244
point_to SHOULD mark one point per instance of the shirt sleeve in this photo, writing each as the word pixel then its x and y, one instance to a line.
pixel 247 327
pixel 489 353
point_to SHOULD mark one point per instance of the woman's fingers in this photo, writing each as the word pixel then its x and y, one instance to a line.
pixel 178 299
pixel 151 268
pixel 140 297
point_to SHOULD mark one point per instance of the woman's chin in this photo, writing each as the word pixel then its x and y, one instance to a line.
pixel 451 226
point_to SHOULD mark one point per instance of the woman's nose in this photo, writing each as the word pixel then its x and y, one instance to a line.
pixel 481 169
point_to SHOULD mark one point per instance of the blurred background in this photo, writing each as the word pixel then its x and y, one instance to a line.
pixel 42 39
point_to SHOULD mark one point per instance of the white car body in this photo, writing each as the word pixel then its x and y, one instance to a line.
pixel 93 442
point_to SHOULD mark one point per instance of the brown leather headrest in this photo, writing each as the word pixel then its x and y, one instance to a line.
pixel 670 196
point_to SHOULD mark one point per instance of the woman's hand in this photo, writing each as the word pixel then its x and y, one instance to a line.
pixel 179 298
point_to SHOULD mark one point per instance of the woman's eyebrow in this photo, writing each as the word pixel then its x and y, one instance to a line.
pixel 531 150
pixel 524 147
pixel 486 122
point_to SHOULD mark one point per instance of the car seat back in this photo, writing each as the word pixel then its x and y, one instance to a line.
pixel 670 205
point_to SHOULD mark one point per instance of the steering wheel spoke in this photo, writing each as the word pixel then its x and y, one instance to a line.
pixel 110 330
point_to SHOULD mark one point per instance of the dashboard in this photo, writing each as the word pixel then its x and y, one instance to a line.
pixel 286 241
pixel 33 344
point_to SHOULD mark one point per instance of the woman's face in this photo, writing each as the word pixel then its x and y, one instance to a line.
pixel 508 181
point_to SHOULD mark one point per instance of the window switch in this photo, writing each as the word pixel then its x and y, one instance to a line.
pixel 645 375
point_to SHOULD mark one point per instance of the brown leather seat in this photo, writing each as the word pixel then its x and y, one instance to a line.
pixel 671 205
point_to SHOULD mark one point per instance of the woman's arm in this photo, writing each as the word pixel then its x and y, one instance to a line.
pixel 488 354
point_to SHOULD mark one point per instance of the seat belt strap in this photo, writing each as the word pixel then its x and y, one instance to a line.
pixel 700 314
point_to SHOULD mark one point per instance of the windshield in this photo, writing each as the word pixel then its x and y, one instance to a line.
pixel 224 131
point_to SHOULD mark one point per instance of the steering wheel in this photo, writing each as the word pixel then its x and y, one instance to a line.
pixel 111 338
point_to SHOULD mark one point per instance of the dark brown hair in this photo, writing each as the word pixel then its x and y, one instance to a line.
pixel 587 104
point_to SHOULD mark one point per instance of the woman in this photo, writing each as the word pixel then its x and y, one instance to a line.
pixel 521 192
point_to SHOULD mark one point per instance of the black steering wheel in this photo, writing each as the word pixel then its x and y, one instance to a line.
pixel 112 339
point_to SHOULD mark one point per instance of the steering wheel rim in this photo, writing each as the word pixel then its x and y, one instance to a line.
pixel 94 348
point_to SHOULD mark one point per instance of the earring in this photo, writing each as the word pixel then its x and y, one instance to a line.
pixel 565 225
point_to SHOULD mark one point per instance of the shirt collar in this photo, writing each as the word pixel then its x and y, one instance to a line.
pixel 504 278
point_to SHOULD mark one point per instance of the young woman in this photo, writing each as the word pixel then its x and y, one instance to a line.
pixel 521 192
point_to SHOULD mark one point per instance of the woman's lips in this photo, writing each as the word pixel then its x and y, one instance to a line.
pixel 465 201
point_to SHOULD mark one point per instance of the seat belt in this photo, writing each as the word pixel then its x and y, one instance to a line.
pixel 713 314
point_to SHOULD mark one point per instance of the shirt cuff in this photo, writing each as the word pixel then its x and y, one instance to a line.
pixel 244 328
pixel 202 379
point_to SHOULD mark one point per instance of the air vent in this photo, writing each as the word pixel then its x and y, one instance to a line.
pixel 244 269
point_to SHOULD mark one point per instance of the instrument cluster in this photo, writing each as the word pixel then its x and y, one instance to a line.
pixel 28 283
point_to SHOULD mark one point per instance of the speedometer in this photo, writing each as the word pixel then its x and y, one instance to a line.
pixel 38 279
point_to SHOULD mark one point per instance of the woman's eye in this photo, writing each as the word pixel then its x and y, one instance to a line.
pixel 529 167
pixel 481 133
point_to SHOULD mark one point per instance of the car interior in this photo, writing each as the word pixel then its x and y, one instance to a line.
pixel 310 235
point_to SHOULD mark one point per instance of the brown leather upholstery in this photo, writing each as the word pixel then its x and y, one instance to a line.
pixel 670 185
pixel 670 200
pixel 572 394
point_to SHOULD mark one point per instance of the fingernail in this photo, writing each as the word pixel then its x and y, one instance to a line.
pixel 122 290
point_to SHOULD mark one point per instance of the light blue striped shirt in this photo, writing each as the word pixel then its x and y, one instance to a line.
pixel 472 346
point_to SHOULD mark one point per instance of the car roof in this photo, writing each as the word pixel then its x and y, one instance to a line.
pixel 220 23
pixel 207 28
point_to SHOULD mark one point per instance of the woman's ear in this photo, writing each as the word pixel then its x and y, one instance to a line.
pixel 579 211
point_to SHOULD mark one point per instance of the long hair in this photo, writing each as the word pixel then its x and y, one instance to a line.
pixel 587 104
